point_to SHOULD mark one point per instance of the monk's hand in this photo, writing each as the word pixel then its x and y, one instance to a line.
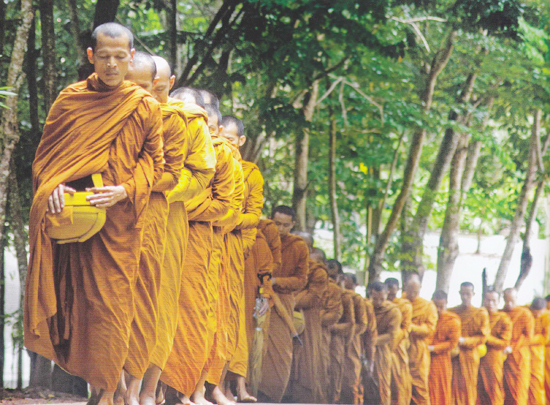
pixel 56 201
pixel 431 348
pixel 508 350
pixel 265 306
pixel 105 197
pixel 461 341
pixel 273 282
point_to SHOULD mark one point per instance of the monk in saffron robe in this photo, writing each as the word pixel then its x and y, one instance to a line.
pixel 547 360
pixel 388 321
pixel 424 319
pixel 490 385
pixel 341 333
pixel 369 350
pixel 474 332
pixel 352 389
pixel 537 395
pixel 445 339
pixel 331 312
pixel 517 367
pixel 401 376
pixel 289 278
pixel 113 127
pixel 193 338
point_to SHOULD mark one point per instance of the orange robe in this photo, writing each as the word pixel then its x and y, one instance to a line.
pixel 331 312
pixel 79 296
pixel 371 333
pixel 143 337
pixel 401 376
pixel 194 336
pixel 341 332
pixel 547 371
pixel 445 339
pixel 388 321
pixel 198 171
pixel 290 277
pixel 424 319
pixel 490 388
pixel 352 389
pixel 536 387
pixel 271 233
pixel 517 370
pixel 306 386
pixel 475 330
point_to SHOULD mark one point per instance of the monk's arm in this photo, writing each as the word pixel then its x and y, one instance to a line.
pixel 394 321
pixel 369 337
pixel 249 238
pixel 483 332
pixel 428 327
pixel 271 234
pixel 345 328
pixel 406 322
pixel 265 266
pixel 254 203
pixel 199 165
pixel 453 334
pixel 230 219
pixel 311 296
pixel 333 309
pixel 175 139
pixel 298 280
pixel 502 339
pixel 361 319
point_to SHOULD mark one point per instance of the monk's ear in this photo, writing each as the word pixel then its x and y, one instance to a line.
pixel 172 81
pixel 90 54
pixel 155 81
pixel 242 140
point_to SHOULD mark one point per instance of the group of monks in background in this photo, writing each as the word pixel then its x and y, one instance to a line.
pixel 187 296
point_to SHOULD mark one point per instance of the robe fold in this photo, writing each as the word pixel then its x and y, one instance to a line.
pixel 517 370
pixel 537 395
pixel 388 322
pixel 198 171
pixel 424 319
pixel 475 331
pixel 547 371
pixel 252 204
pixel 445 339
pixel 271 233
pixel 290 277
pixel 490 388
pixel 79 296
pixel 401 376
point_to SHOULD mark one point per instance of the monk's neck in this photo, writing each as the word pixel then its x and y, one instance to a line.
pixel 467 307
pixel 103 84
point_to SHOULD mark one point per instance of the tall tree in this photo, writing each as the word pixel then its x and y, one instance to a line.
pixel 105 11
pixel 48 52
pixel 332 186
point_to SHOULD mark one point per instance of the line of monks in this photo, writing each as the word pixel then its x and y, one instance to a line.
pixel 186 295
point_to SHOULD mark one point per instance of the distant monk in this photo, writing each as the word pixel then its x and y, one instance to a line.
pixel 542 323
pixel 289 278
pixel 401 375
pixel 424 319
pixel 475 330
pixel 490 385
pixel 101 125
pixel 517 369
pixel 368 340
pixel 341 334
pixel 547 360
pixel 388 321
pixel 445 339
pixel 352 389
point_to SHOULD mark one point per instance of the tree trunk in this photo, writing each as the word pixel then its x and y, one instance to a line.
pixel 438 64
pixel 32 54
pixel 299 197
pixel 105 11
pixel 2 24
pixel 2 311
pixel 519 217
pixel 173 18
pixel 48 52
pixel 332 187
pixel 75 32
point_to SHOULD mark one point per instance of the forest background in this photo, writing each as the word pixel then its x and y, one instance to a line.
pixel 377 120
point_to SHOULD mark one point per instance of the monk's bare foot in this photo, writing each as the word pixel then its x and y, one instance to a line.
pixel 242 393
pixel 106 398
pixel 219 397
pixel 160 393
pixel 173 397
pixel 198 397
pixel 131 397
pixel 120 392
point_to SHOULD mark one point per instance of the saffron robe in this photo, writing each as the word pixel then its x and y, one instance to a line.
pixel 537 395
pixel 290 277
pixel 424 319
pixel 198 171
pixel 475 330
pixel 271 233
pixel 388 322
pixel 79 296
pixel 445 339
pixel 490 385
pixel 401 383
pixel 517 370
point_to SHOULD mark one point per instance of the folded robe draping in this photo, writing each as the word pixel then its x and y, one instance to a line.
pixel 401 375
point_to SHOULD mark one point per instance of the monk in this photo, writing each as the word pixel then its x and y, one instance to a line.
pixel 474 332
pixel 194 336
pixel 401 376
pixel 517 370
pixel 537 395
pixel 122 142
pixel 352 389
pixel 424 319
pixel 369 350
pixel 341 333
pixel 332 310
pixel 388 321
pixel 445 339
pixel 547 360
pixel 289 278
pixel 490 388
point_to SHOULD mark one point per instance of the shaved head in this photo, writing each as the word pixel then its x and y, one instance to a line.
pixel 412 288
pixel 165 80
pixel 188 95
pixel 142 71
pixel 112 30
pixel 318 255
pixel 510 296
pixel 209 98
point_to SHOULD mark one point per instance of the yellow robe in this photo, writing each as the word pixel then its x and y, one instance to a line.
pixel 401 376
pixel 536 387
pixel 79 296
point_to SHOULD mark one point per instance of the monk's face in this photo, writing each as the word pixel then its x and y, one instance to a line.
pixel 466 295
pixel 378 298
pixel 348 284
pixel 490 301
pixel 161 89
pixel 537 312
pixel 111 58
pixel 413 290
pixel 510 297
pixel 441 305
pixel 284 223
pixel 231 133
pixel 332 271
pixel 141 77
pixel 393 289
pixel 213 124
